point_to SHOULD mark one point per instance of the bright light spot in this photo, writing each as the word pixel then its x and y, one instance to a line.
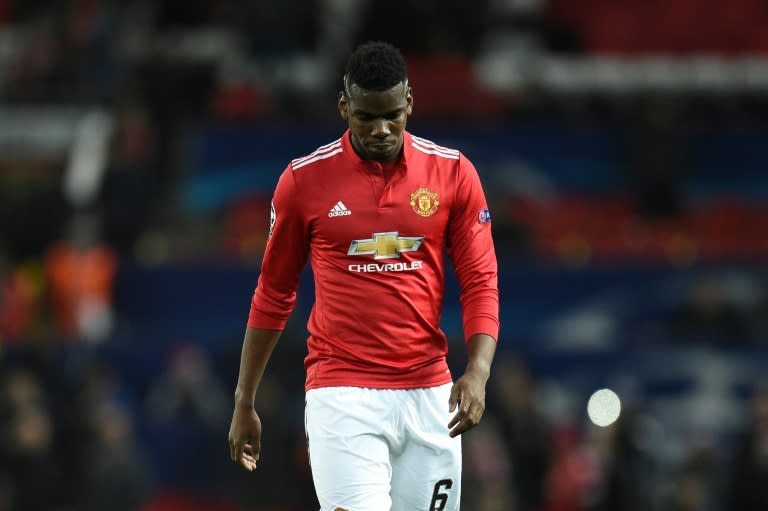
pixel 604 407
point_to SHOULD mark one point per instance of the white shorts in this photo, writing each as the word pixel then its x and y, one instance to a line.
pixel 383 450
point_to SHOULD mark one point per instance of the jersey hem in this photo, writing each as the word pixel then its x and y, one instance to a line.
pixel 378 385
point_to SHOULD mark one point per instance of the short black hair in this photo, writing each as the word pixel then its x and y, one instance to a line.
pixel 375 66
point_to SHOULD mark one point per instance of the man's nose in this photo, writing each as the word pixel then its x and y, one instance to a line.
pixel 380 128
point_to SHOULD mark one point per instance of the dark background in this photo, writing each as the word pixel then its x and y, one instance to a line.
pixel 622 148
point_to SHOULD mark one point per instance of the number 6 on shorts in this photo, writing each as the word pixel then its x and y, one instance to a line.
pixel 439 498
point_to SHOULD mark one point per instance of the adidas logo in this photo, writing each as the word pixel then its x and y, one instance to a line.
pixel 339 210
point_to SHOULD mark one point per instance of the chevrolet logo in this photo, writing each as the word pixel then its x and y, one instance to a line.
pixel 385 245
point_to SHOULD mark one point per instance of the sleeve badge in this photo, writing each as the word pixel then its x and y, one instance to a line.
pixel 484 216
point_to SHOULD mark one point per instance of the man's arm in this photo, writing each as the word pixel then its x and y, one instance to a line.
pixel 271 305
pixel 470 247
pixel 245 430
pixel 468 393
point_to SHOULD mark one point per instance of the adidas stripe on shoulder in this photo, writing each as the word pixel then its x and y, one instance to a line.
pixel 321 153
pixel 429 147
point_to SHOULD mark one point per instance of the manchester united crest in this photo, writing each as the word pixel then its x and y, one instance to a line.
pixel 424 202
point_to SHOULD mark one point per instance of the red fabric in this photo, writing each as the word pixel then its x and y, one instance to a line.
pixel 6 12
pixel 681 27
pixel 76 277
pixel 375 325
pixel 177 501
pixel 20 297
pixel 759 39
pixel 438 80
pixel 240 100
pixel 245 227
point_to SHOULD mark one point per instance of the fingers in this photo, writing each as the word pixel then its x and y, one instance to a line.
pixel 467 417
pixel 245 453
pixel 248 458
pixel 458 416
pixel 235 448
pixel 455 397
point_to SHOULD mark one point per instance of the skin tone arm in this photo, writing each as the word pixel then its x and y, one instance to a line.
pixel 468 393
pixel 245 430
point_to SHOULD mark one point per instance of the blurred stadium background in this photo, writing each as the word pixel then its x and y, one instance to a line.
pixel 623 148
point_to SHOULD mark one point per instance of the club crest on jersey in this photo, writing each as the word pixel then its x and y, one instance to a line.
pixel 424 202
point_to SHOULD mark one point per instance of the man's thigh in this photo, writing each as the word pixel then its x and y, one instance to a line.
pixel 426 474
pixel 349 454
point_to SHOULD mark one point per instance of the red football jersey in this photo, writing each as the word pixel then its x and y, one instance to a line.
pixel 377 249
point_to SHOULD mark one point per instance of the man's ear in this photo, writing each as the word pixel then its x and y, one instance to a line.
pixel 409 101
pixel 343 105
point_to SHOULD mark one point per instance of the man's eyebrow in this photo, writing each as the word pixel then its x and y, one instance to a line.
pixel 358 111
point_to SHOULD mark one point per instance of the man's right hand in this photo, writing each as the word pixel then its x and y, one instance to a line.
pixel 245 437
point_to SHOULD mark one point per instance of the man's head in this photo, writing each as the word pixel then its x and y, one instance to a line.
pixel 376 100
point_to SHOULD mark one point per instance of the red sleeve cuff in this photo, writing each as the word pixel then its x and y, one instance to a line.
pixel 258 319
pixel 486 326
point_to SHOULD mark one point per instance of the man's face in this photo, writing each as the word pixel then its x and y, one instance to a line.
pixel 376 119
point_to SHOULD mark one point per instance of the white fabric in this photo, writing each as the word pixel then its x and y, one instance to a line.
pixel 383 449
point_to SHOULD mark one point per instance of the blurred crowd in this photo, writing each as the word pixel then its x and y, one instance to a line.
pixel 101 105
pixel 78 435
